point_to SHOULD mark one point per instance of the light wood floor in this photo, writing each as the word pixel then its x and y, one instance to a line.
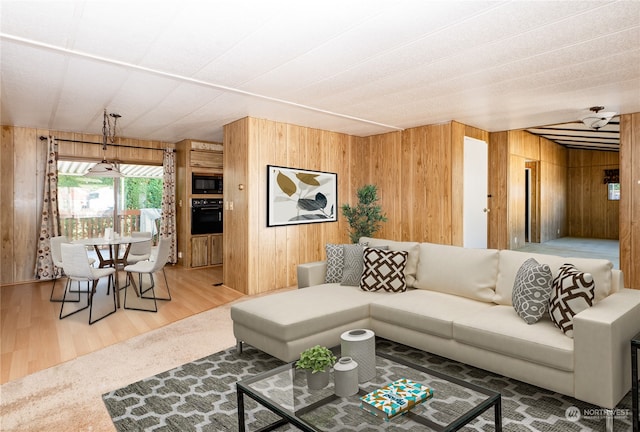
pixel 34 338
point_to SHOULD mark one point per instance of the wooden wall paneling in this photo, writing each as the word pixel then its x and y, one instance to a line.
pixel 553 195
pixel 66 149
pixel 359 173
pixel 335 156
pixel 590 212
pixel 7 209
pixel 183 220
pixel 498 181
pixel 626 188
pixel 408 183
pixel 26 214
pixel 312 242
pixel 516 199
pixel 266 246
pixel 279 154
pixel 524 144
pixel 577 218
pixel 630 199
pixel 296 148
pixel 634 194
pixel 386 174
pixel 256 210
pixel 439 182
pixel 235 219
pixel 458 132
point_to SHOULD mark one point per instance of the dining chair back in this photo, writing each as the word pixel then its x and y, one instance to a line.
pixel 156 263
pixel 76 266
pixel 56 257
pixel 139 251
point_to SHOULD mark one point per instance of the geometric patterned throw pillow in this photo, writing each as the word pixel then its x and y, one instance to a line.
pixel 532 290
pixel 384 269
pixel 573 291
pixel 335 263
pixel 352 270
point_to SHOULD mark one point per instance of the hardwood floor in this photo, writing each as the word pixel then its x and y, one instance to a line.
pixel 34 338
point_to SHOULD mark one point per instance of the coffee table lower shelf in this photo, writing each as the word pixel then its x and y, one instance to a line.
pixel 259 389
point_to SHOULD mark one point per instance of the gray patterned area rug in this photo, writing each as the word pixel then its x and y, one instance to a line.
pixel 201 396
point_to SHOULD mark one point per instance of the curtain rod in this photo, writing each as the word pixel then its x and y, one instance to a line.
pixel 42 138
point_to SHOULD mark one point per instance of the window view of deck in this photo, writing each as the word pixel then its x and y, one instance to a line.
pixel 88 205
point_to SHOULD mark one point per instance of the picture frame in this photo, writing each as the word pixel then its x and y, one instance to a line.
pixel 299 196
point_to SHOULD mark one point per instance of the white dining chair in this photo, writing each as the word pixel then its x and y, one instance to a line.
pixel 56 257
pixel 77 268
pixel 151 266
pixel 139 251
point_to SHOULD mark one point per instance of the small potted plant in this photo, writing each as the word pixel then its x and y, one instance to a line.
pixel 316 361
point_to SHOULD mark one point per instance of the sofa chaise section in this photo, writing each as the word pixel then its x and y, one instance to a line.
pixel 286 323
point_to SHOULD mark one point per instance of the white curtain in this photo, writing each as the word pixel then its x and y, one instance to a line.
pixel 50 217
pixel 168 220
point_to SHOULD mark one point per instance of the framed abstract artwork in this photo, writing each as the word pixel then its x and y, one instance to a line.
pixel 298 196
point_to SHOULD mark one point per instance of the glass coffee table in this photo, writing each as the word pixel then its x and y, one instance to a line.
pixel 284 391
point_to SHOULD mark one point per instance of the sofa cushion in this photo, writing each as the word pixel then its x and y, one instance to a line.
pixel 425 311
pixel 500 329
pixel 531 290
pixel 335 262
pixel 413 248
pixel 510 262
pixel 295 314
pixel 384 270
pixel 456 270
pixel 571 294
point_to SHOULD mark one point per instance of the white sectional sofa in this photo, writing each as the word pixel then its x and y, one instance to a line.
pixel 459 305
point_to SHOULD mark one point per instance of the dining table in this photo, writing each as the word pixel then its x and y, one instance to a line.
pixel 113 245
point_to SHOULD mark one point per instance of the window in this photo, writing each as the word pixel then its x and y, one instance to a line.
pixel 88 205
pixel 613 191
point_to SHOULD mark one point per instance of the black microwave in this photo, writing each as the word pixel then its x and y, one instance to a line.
pixel 206 184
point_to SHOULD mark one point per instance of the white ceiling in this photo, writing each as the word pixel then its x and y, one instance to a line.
pixel 183 69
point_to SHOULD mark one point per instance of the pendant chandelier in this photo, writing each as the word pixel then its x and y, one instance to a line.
pixel 105 168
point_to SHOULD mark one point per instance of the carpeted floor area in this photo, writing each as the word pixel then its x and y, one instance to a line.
pixel 578 247
pixel 200 396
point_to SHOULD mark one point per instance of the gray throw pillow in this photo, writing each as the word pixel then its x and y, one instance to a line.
pixel 531 290
pixel 335 263
pixel 353 264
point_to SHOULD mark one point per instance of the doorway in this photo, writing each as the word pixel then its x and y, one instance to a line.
pixel 531 202
pixel 475 184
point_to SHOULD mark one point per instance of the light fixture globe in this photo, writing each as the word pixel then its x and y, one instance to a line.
pixel 103 169
pixel 597 119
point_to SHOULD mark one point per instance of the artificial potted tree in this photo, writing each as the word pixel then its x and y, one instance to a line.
pixel 316 361
pixel 365 217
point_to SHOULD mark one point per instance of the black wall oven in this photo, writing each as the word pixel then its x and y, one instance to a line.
pixel 206 215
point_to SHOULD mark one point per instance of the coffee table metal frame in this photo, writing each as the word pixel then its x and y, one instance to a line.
pixel 494 399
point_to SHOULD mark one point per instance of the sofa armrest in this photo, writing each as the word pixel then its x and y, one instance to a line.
pixel 602 353
pixel 310 274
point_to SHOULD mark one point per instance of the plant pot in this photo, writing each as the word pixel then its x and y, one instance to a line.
pixel 318 380
pixel 345 377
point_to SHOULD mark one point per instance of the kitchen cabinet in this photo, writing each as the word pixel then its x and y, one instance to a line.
pixel 196 157
pixel 206 250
